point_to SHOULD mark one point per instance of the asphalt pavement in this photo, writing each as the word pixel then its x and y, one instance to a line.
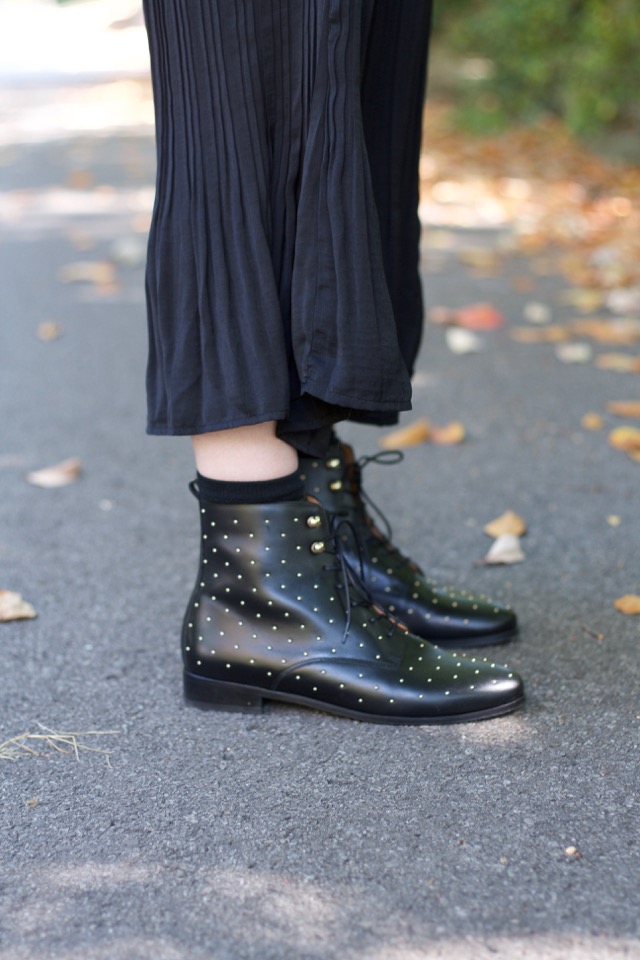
pixel 292 835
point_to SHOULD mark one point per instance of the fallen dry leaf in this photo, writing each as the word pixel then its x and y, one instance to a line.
pixel 592 421
pixel 523 284
pixel 484 260
pixel 506 549
pixel 554 333
pixel 461 341
pixel 619 362
pixel 479 316
pixel 624 408
pixel 442 316
pixel 49 330
pixel 509 522
pixel 574 352
pixel 612 332
pixel 626 439
pixel 450 435
pixel 476 316
pixel 573 213
pixel 543 266
pixel 629 604
pixel 58 475
pixel 440 239
pixel 13 607
pixel 538 313
pixel 101 273
pixel 141 222
pixel 81 240
pixel 410 436
pixel 584 299
pixel 572 852
pixel 624 300
pixel 81 179
pixel 129 251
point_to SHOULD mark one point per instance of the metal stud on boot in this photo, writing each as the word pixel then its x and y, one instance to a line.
pixel 276 614
pixel 447 616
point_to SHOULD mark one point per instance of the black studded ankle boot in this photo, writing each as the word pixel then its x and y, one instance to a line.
pixel 445 616
pixel 276 614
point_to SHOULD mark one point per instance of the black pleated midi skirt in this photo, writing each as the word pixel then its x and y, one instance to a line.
pixel 282 275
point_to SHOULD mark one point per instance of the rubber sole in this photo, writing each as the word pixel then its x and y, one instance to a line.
pixel 232 697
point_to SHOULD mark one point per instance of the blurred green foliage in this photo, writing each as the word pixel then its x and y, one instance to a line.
pixel 578 59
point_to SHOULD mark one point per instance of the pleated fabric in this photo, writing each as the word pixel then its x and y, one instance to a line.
pixel 282 277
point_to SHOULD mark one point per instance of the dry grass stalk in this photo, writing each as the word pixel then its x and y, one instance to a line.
pixel 42 744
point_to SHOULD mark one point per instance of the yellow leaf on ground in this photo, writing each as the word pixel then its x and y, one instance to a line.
pixel 450 435
pixel 625 438
pixel 440 239
pixel 486 260
pixel 58 475
pixel 613 332
pixel 102 273
pixel 554 333
pixel 13 607
pixel 506 549
pixel 49 330
pixel 509 522
pixel 410 436
pixel 624 408
pixel 592 421
pixel 584 299
pixel 620 362
pixel 629 604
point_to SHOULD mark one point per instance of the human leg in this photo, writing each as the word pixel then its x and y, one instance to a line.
pixel 242 454
pixel 267 304
pixel 394 56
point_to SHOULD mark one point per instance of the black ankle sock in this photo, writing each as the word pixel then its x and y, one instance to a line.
pixel 334 441
pixel 251 491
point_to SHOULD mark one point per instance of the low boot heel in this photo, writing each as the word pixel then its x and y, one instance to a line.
pixel 213 695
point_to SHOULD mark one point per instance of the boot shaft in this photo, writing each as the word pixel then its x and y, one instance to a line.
pixel 269 575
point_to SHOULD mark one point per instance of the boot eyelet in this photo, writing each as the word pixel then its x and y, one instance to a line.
pixel 332 464
pixel 318 546
pixel 314 522
pixel 335 485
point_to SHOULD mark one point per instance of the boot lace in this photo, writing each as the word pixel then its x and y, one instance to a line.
pixel 351 581
pixel 379 537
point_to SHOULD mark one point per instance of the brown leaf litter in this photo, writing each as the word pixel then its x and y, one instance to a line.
pixel 58 475
pixel 14 607
pixel 422 431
